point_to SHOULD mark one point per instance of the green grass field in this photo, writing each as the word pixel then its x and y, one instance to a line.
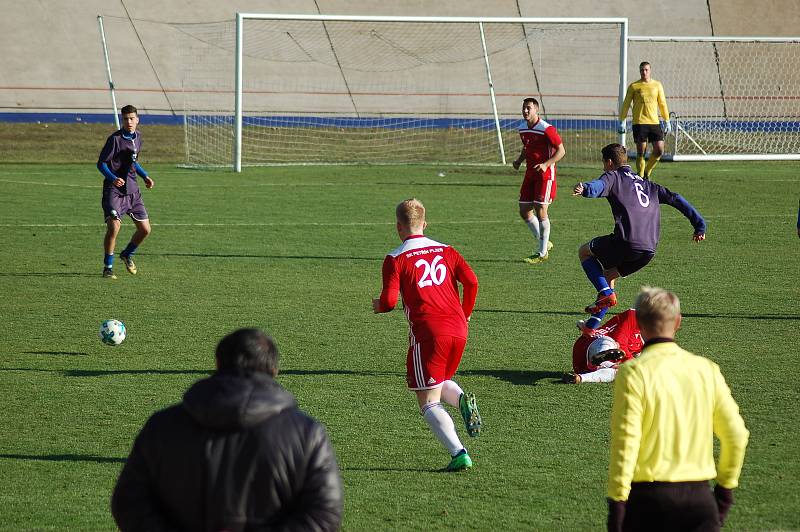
pixel 298 252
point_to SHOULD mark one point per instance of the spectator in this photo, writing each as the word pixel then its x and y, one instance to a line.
pixel 236 454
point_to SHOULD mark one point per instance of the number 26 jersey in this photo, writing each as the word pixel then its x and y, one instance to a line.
pixel 426 273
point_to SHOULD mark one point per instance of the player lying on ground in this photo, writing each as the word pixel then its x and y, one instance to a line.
pixel 597 353
pixel 427 274
pixel 636 206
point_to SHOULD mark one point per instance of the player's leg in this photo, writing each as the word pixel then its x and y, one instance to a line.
pixel 126 255
pixel 426 366
pixel 142 221
pixel 655 135
pixel 596 256
pixel 453 395
pixel 530 219
pixel 544 227
pixel 641 149
pixel 655 155
pixel 109 243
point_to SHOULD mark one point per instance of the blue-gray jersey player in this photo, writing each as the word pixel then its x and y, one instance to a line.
pixel 636 206
pixel 118 162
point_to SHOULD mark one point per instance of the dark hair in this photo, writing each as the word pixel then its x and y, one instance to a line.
pixel 128 109
pixel 247 351
pixel 615 153
pixel 534 101
pixel 643 63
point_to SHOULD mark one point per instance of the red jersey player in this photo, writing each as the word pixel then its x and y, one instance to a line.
pixel 541 150
pixel 598 352
pixel 427 274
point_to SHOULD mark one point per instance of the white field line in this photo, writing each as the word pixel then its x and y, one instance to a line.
pixel 367 224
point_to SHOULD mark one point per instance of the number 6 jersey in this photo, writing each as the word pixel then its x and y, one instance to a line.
pixel 426 273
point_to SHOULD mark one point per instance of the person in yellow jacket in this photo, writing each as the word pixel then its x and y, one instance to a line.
pixel 647 96
pixel 668 405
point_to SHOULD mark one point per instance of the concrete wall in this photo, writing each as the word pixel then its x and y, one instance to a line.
pixel 52 59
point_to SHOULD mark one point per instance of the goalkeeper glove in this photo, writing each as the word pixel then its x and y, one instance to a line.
pixel 667 127
pixel 621 130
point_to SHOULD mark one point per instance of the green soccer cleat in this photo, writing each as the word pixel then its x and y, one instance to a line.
pixel 469 411
pixel 108 273
pixel 129 264
pixel 536 258
pixel 460 462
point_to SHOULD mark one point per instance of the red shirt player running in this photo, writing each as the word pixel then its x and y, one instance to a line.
pixel 427 274
pixel 541 150
pixel 597 353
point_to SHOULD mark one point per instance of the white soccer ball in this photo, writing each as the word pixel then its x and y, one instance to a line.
pixel 112 332
pixel 442 174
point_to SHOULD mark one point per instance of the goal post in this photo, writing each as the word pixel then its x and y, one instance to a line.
pixel 326 89
pixel 730 98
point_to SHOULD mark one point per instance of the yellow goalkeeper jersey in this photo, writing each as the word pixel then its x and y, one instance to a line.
pixel 648 98
pixel 668 405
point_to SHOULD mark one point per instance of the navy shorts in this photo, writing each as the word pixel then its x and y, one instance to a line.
pixel 647 133
pixel 614 253
pixel 118 205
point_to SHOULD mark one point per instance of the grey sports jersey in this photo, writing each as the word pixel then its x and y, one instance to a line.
pixel 635 204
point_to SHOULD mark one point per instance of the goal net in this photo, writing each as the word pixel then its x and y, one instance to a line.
pixel 731 98
pixel 396 90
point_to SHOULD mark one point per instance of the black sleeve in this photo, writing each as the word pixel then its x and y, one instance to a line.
pixel 133 503
pixel 321 502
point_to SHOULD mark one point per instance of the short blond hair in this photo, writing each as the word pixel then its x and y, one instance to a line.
pixel 656 308
pixel 411 214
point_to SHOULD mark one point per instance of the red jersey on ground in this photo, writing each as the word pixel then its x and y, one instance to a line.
pixel 427 274
pixel 623 328
pixel 540 143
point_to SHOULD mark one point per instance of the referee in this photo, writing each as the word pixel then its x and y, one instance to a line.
pixel 647 97
pixel 668 405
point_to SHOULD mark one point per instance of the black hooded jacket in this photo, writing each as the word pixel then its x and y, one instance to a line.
pixel 236 455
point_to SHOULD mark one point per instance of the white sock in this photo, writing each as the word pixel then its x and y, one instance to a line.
pixel 451 392
pixel 442 426
pixel 600 375
pixel 533 225
pixel 545 228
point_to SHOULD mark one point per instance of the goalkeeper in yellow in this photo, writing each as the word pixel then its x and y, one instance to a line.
pixel 647 96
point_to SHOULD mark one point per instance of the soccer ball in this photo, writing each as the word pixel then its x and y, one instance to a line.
pixel 112 332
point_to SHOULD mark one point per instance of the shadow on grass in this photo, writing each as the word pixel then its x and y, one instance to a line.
pixel 65 458
pixel 526 311
pixel 720 316
pixel 201 372
pixel 739 316
pixel 69 353
pixel 396 470
pixel 301 257
pixel 50 274
pixel 516 377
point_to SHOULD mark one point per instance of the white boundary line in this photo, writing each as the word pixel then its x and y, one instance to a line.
pixel 676 215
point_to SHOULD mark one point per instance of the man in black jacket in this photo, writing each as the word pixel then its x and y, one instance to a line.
pixel 237 454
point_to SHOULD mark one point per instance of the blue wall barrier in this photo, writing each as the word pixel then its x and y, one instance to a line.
pixel 763 126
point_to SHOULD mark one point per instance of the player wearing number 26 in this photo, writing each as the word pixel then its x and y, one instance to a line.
pixel 635 203
pixel 427 274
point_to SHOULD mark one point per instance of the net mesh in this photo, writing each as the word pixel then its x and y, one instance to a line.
pixel 727 98
pixel 395 92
